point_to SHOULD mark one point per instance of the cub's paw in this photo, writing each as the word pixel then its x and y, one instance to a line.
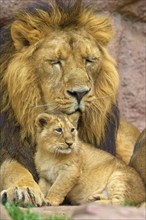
pixel 97 197
pixel 53 202
pixel 23 196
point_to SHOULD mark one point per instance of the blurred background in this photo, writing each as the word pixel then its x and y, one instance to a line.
pixel 128 47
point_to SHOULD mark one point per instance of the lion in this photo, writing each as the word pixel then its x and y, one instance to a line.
pixel 53 59
pixel 68 167
pixel 138 160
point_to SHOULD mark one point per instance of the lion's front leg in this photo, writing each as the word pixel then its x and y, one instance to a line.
pixel 18 185
pixel 126 138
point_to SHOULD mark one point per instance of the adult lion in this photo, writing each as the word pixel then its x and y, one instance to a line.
pixel 53 60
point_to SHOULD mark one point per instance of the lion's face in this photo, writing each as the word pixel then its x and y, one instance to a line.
pixel 67 65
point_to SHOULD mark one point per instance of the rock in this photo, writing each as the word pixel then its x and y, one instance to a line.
pixel 55 210
pixel 98 212
pixel 131 65
pixel 93 211
pixel 3 213
pixel 135 11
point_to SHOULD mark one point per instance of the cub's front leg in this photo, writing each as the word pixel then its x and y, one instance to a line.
pixel 44 186
pixel 17 185
pixel 62 186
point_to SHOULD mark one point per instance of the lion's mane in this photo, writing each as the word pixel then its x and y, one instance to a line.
pixel 98 124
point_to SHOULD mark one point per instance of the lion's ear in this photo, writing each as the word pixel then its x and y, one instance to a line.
pixel 23 36
pixel 42 120
pixel 74 118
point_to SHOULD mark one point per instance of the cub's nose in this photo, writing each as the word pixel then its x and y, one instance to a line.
pixel 69 144
pixel 78 94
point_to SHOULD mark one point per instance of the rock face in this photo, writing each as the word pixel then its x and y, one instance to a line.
pixel 128 48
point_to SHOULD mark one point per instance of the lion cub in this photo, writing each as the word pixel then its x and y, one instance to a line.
pixel 70 168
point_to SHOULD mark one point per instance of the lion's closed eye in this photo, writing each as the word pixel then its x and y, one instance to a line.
pixel 55 62
pixel 90 61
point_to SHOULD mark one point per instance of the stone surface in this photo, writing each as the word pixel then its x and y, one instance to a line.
pixel 57 210
pixel 3 213
pixel 135 11
pixel 94 211
pixel 99 212
pixel 128 47
pixel 91 211
pixel 129 51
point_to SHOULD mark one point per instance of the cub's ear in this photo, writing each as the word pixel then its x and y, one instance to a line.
pixel 42 120
pixel 74 118
pixel 23 35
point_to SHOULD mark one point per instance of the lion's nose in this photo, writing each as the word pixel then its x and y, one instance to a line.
pixel 78 94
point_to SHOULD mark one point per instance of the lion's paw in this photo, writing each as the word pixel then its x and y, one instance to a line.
pixel 23 196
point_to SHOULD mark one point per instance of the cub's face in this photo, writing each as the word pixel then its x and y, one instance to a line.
pixel 56 133
pixel 67 66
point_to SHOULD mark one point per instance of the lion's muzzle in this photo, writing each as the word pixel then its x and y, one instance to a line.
pixel 78 94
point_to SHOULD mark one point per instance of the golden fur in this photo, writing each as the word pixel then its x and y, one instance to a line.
pixel 138 159
pixel 129 133
pixel 53 60
pixel 25 190
pixel 69 167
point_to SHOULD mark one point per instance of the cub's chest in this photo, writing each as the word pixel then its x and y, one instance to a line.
pixel 50 170
pixel 51 175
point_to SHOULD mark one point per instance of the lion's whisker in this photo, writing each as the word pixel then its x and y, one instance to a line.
pixel 106 96
pixel 48 104
pixel 39 106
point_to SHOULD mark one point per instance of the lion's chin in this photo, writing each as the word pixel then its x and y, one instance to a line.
pixel 68 110
pixel 77 108
pixel 71 110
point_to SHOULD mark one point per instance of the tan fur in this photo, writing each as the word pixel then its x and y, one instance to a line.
pixel 138 159
pixel 80 172
pixel 25 190
pixel 126 139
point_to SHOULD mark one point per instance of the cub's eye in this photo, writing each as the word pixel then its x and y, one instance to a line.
pixel 72 129
pixel 58 130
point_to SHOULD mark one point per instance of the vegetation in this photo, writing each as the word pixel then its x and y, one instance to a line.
pixel 128 203
pixel 17 214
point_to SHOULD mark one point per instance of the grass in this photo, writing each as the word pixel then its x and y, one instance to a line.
pixel 17 214
pixel 128 203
